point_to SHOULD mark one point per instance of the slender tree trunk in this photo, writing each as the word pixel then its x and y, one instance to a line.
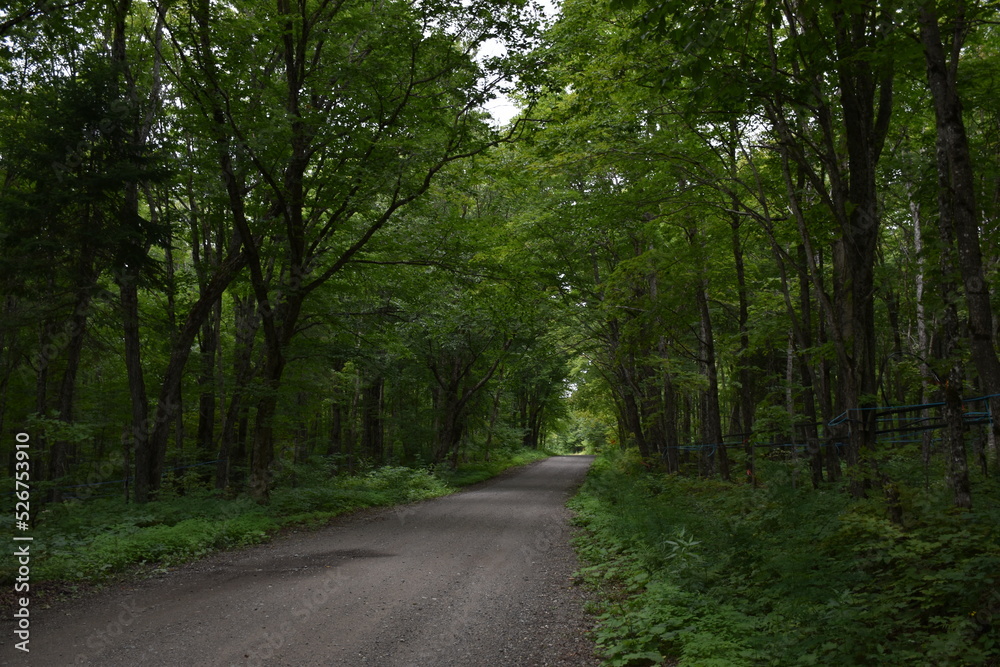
pixel 831 459
pixel 206 260
pixel 301 435
pixel 276 341
pixel 865 104
pixel 923 345
pixel 743 375
pixel 804 340
pixel 671 442
pixel 262 451
pixel 711 417
pixel 790 405
pixel 172 324
pixel 949 356
pixel 373 427
pixel 451 427
pixel 687 427
pixel 494 413
pixel 336 430
pixel 59 455
pixel 147 472
pixel 633 420
pixel 207 383
pixel 954 437
pixel 38 471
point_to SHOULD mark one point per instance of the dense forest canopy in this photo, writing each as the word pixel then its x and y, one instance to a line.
pixel 240 235
pixel 236 235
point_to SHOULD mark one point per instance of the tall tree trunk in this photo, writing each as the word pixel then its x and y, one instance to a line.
pixel 671 443
pixel 923 345
pixel 632 417
pixel 38 471
pixel 373 426
pixel 207 385
pixel 744 377
pixel 335 430
pixel 831 458
pixel 866 104
pixel 949 356
pixel 59 456
pixel 451 427
pixel 790 405
pixel 804 339
pixel 246 324
pixel 957 192
pixel 206 259
pixel 455 390
pixel 262 451
pixel 335 436
pixel 954 438
pixel 711 419
pixel 491 428
pixel 276 339
pixel 865 87
pixel 147 472
pixel 301 435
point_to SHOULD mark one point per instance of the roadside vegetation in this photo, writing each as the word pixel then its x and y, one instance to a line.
pixel 94 540
pixel 693 571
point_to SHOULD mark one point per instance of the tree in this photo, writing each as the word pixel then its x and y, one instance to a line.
pixel 375 101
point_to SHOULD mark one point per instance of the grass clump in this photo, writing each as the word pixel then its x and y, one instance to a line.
pixel 695 572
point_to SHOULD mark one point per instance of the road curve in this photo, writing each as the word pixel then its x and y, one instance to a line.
pixel 478 578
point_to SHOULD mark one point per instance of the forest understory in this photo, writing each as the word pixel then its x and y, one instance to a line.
pixel 689 571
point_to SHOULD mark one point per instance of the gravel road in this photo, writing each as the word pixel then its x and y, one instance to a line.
pixel 478 578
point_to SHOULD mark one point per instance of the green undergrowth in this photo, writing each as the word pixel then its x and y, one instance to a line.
pixel 698 572
pixel 96 539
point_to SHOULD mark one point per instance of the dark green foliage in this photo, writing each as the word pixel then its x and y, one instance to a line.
pixel 711 574
pixel 388 485
pixel 472 473
pixel 66 166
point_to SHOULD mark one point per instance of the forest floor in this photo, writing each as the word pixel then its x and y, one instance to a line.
pixel 479 578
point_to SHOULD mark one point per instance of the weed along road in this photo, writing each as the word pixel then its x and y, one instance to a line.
pixel 478 578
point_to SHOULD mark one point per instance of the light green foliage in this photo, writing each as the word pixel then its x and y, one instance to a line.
pixel 55 429
pixel 126 545
pixel 101 537
pixel 694 572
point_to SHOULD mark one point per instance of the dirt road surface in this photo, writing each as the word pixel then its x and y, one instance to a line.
pixel 479 578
